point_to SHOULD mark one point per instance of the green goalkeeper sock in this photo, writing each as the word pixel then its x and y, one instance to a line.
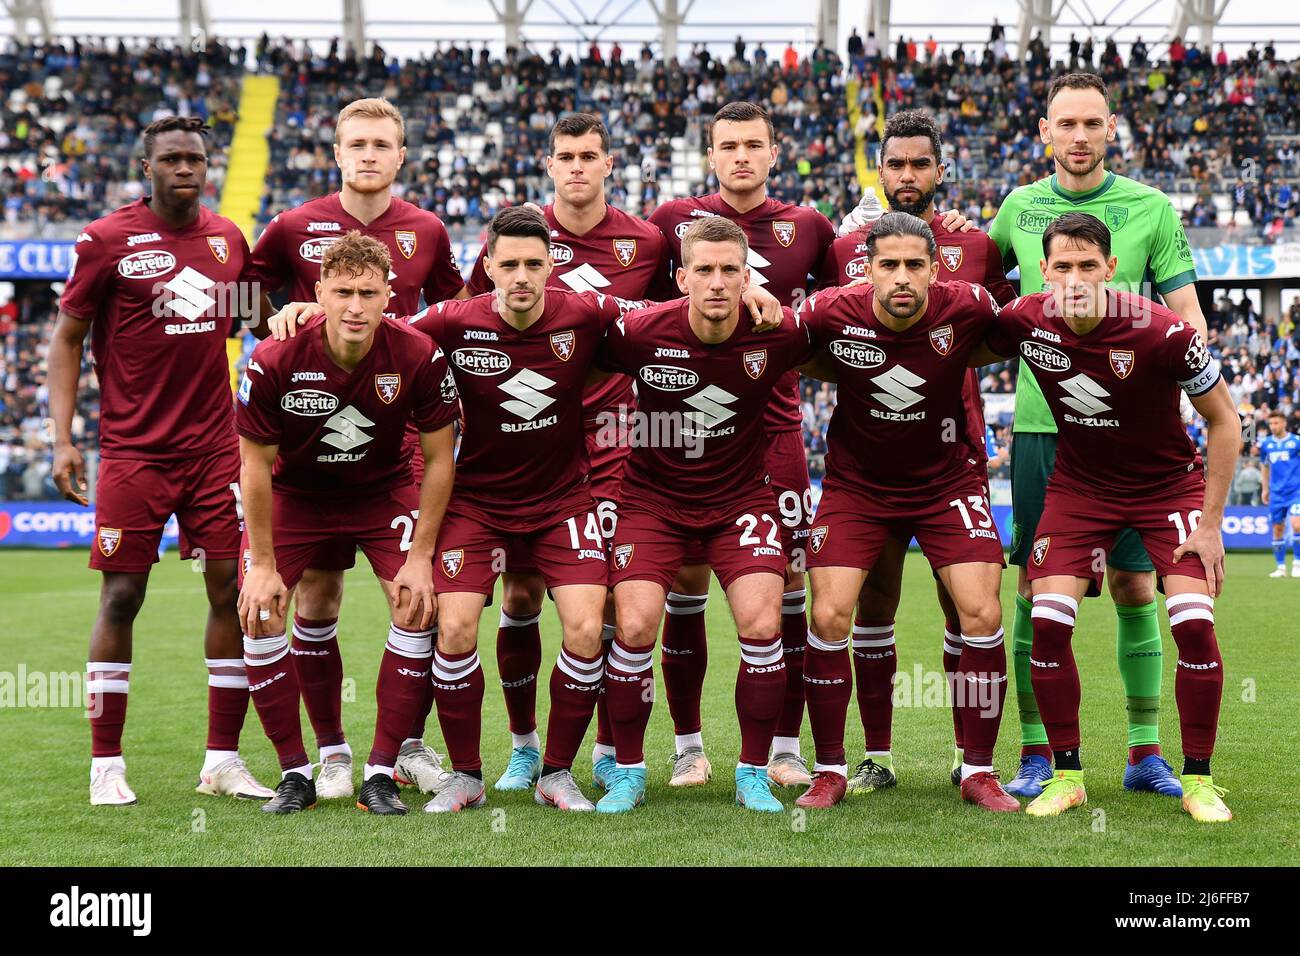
pixel 1140 664
pixel 1033 737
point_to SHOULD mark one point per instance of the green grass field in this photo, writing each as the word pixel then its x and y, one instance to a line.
pixel 48 600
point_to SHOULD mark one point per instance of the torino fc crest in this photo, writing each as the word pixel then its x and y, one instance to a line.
pixel 755 363
pixel 452 562
pixel 1040 550
pixel 817 538
pixel 220 248
pixel 405 240
pixel 623 555
pixel 562 345
pixel 1121 362
pixel 941 339
pixel 625 251
pixel 109 539
pixel 387 386
pixel 784 232
pixel 951 256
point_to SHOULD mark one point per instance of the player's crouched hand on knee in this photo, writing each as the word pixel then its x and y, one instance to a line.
pixel 1206 542
pixel 414 603
pixel 263 601
pixel 284 324
pixel 764 307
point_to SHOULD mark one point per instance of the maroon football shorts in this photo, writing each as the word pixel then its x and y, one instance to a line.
pixel 471 553
pixel 742 539
pixel 954 528
pixel 134 498
pixel 306 529
pixel 787 464
pixel 1076 532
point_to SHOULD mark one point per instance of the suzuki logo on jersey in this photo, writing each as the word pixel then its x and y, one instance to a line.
pixel 220 248
pixel 941 339
pixel 625 251
pixel 755 363
pixel 481 361
pixel 527 400
pixel 623 555
pixel 405 240
pixel 148 264
pixel 585 278
pixel 109 539
pixel 562 344
pixel 817 538
pixel 1045 357
pixel 897 394
pixel 191 300
pixel 951 256
pixel 755 262
pixel 561 253
pixel 669 378
pixel 346 434
pixel 857 354
pixel 784 232
pixel 710 404
pixel 452 562
pixel 1085 397
pixel 313 250
pixel 309 403
pixel 387 386
pixel 1121 362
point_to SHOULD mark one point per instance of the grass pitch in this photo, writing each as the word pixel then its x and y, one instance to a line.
pixel 48 601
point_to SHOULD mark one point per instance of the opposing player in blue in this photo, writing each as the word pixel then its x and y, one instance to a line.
pixel 1279 452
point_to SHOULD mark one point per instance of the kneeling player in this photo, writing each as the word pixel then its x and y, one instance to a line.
pixel 342 479
pixel 695 475
pixel 898 465
pixel 1110 365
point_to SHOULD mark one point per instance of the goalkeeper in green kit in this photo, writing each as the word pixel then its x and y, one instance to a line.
pixel 1154 258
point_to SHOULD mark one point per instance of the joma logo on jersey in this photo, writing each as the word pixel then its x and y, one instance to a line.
pixel 669 378
pixel 313 250
pixel 561 253
pixel 309 402
pixel 405 240
pixel 1121 362
pixel 856 268
pixel 857 354
pixel 134 241
pixel 452 562
pixel 951 256
pixel 307 377
pixel 480 335
pixel 562 344
pixel 1045 335
pixel 220 248
pixel 672 353
pixel 387 387
pixel 623 555
pixel 1045 357
pixel 817 538
pixel 1040 550
pixel 324 227
pixel 481 361
pixel 784 232
pixel 148 264
pixel 109 540
pixel 755 363
pixel 625 251
pixel 941 339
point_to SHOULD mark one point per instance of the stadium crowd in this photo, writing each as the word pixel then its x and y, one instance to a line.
pixel 1191 124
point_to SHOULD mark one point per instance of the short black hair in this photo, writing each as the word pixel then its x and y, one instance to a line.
pixel 900 224
pixel 580 124
pixel 1081 227
pixel 1077 81
pixel 909 123
pixel 520 222
pixel 171 124
pixel 739 111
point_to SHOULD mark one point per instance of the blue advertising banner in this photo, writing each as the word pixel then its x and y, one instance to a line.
pixel 36 259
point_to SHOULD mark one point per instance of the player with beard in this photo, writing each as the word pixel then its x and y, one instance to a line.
pixel 1150 246
pixel 911 171
pixel 898 466
pixel 369 148
pixel 596 248
pixel 787 252
pixel 167 438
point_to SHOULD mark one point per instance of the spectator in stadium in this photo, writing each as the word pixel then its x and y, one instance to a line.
pixel 1246 486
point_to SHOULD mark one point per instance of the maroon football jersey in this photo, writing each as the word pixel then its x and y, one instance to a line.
pixel 900 428
pixel 621 255
pixel 161 303
pixel 288 253
pixel 697 440
pixel 523 457
pixel 340 433
pixel 1113 392
pixel 966 256
pixel 787 253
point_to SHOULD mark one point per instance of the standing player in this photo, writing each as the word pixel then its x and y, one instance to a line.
pixel 596 248
pixel 1280 454
pixel 157 283
pixel 911 171
pixel 327 410
pixel 1150 246
pixel 899 466
pixel 704 378
pixel 1110 365
pixel 369 139
pixel 787 251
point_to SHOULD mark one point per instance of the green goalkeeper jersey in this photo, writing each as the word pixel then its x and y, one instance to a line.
pixel 1147 239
